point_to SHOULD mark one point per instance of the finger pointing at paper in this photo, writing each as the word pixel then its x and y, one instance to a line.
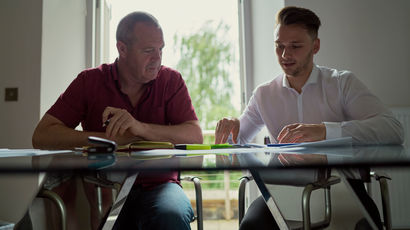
pixel 224 128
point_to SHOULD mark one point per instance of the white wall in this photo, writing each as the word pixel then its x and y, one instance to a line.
pixel 265 64
pixel 20 58
pixel 63 47
pixel 370 38
pixel 42 51
pixel 42 48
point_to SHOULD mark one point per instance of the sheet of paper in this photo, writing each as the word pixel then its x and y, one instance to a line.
pixel 325 145
pixel 343 141
pixel 28 152
pixel 177 152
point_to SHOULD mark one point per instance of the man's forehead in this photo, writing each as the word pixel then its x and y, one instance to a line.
pixel 289 42
pixel 148 35
pixel 290 34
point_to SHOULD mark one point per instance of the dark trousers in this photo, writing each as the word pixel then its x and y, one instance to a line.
pixel 259 216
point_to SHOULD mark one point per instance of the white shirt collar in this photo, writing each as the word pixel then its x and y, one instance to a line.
pixel 313 78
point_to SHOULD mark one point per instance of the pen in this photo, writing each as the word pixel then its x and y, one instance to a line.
pixel 221 146
pixel 107 122
pixel 192 146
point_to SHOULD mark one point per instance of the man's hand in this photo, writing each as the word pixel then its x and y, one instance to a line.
pixel 301 159
pixel 295 133
pixel 121 123
pixel 225 127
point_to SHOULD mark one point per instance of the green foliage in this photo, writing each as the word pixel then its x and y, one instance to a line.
pixel 205 62
pixel 209 139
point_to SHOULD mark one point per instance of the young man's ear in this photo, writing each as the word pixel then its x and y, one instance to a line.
pixel 316 45
pixel 122 49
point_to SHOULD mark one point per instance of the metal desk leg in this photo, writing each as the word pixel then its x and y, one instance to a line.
pixel 270 201
pixel 119 202
pixel 358 201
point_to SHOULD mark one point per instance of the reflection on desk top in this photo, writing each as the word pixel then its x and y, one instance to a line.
pixel 218 159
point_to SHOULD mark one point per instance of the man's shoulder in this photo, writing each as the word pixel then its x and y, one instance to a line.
pixel 269 85
pixel 334 74
pixel 168 71
pixel 96 74
pixel 101 70
pixel 168 74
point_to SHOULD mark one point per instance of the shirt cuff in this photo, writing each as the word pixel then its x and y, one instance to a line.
pixel 333 130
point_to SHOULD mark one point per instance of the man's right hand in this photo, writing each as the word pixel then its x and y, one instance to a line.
pixel 120 122
pixel 224 128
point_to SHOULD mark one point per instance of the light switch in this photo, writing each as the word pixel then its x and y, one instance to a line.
pixel 11 94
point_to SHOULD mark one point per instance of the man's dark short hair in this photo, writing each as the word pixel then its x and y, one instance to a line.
pixel 126 26
pixel 300 16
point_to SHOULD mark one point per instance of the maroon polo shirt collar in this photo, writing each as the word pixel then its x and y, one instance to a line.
pixel 115 77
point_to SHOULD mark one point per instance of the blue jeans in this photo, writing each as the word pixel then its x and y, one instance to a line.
pixel 163 207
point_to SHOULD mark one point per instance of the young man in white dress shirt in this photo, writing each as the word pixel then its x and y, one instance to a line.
pixel 309 103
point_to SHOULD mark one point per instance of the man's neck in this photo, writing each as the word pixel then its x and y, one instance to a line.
pixel 128 83
pixel 297 82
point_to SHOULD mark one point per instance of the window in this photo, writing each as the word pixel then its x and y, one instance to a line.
pixel 201 42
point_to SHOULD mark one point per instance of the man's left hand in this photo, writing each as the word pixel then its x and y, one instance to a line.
pixel 296 133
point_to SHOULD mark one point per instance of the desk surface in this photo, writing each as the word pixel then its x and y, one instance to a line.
pixel 230 159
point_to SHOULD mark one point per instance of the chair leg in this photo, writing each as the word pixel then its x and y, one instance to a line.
pixel 385 197
pixel 307 191
pixel 198 193
pixel 384 189
pixel 328 205
pixel 54 197
pixel 99 201
pixel 241 198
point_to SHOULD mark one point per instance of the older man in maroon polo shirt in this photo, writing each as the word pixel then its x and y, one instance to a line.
pixel 143 101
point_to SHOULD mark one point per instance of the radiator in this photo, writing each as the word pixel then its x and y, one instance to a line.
pixel 399 186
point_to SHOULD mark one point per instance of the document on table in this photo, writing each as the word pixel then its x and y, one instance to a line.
pixel 338 146
pixel 343 141
pixel 28 152
pixel 325 145
pixel 178 152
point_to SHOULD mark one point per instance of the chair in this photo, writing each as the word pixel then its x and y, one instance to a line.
pixel 310 179
pixel 198 194
pixel 56 199
pixel 385 197
pixel 101 182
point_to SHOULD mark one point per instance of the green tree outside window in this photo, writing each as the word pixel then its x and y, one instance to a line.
pixel 206 60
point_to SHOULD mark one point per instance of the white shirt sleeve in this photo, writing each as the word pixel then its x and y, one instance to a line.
pixel 333 130
pixel 250 121
pixel 368 120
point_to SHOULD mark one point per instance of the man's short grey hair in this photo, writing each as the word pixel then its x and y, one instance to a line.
pixel 126 26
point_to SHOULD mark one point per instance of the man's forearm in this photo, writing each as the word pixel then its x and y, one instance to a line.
pixel 183 133
pixel 381 129
pixel 58 136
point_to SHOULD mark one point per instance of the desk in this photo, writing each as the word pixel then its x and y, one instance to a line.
pixel 255 160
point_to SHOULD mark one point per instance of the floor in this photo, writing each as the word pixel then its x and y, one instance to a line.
pixel 218 224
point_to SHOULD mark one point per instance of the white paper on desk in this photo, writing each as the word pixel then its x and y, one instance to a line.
pixel 337 142
pixel 178 152
pixel 28 152
pixel 292 148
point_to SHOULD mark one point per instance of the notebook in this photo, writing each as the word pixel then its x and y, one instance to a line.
pixel 146 145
